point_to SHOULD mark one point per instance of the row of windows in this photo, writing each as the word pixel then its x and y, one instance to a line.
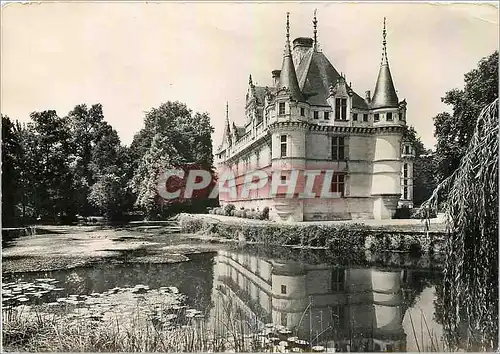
pixel 338 147
pixel 337 284
pixel 341 112
pixel 337 185
pixel 376 117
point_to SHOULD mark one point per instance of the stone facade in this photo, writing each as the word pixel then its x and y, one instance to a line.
pixel 311 119
pixel 308 298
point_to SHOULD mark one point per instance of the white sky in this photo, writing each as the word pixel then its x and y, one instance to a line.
pixel 133 56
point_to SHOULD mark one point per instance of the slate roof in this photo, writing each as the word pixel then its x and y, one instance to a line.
pixel 385 94
pixel 288 77
pixel 315 74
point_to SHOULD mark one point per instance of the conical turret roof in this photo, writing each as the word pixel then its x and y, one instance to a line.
pixel 385 94
pixel 288 76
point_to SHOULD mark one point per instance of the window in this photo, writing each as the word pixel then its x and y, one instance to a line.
pixel 281 108
pixel 400 114
pixel 407 150
pixel 338 277
pixel 283 145
pixel 376 117
pixel 405 170
pixel 326 115
pixel 284 319
pixel 389 116
pixel 338 148
pixel 340 109
pixel 405 193
pixel 365 117
pixel 316 115
pixel 283 289
pixel 338 184
pixel 283 178
pixel 302 111
pixel 355 117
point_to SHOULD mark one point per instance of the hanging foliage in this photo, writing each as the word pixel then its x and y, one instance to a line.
pixel 470 286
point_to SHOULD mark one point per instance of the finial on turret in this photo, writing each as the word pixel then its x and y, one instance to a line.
pixel 315 31
pixel 250 82
pixel 288 26
pixel 227 110
pixel 384 45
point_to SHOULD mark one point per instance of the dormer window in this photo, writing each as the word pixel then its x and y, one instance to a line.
pixel 316 115
pixel 407 150
pixel 389 116
pixel 365 117
pixel 302 111
pixel 355 117
pixel 326 115
pixel 340 109
pixel 281 109
pixel 376 117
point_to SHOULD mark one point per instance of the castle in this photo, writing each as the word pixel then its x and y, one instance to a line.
pixel 349 308
pixel 310 119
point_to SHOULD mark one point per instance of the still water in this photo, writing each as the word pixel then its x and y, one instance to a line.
pixel 332 301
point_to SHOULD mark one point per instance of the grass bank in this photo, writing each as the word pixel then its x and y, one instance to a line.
pixel 342 237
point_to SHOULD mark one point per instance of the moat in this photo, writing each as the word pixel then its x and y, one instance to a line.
pixel 309 297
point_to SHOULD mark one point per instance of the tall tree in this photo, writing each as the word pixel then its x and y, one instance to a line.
pixel 110 168
pixel 85 129
pixel 424 168
pixel 51 155
pixel 454 131
pixel 172 137
pixel 11 170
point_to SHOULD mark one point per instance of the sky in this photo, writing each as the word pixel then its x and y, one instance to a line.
pixel 133 56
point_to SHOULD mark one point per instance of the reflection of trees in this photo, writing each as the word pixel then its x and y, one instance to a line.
pixel 193 278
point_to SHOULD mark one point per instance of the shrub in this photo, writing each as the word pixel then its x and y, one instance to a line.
pixel 402 213
pixel 264 215
pixel 228 208
pixel 417 213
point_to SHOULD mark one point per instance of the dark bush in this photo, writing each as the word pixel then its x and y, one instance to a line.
pixel 402 213
pixel 264 214
pixel 228 208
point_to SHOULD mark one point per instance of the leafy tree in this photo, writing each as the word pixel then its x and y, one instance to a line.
pixel 11 170
pixel 172 137
pixel 424 168
pixel 454 131
pixel 50 156
pixel 85 127
pixel 110 166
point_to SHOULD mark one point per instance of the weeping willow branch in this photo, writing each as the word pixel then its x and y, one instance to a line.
pixel 471 274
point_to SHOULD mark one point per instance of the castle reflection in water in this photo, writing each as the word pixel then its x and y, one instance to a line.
pixel 349 308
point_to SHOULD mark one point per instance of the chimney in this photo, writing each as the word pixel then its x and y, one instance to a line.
pixel 300 47
pixel 276 77
pixel 367 96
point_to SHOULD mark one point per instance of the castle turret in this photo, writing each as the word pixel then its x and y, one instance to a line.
pixel 386 178
pixel 288 76
pixel 288 134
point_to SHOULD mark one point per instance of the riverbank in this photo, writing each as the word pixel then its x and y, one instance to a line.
pixel 352 235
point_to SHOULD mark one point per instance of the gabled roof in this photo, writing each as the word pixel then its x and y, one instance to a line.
pixel 316 74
